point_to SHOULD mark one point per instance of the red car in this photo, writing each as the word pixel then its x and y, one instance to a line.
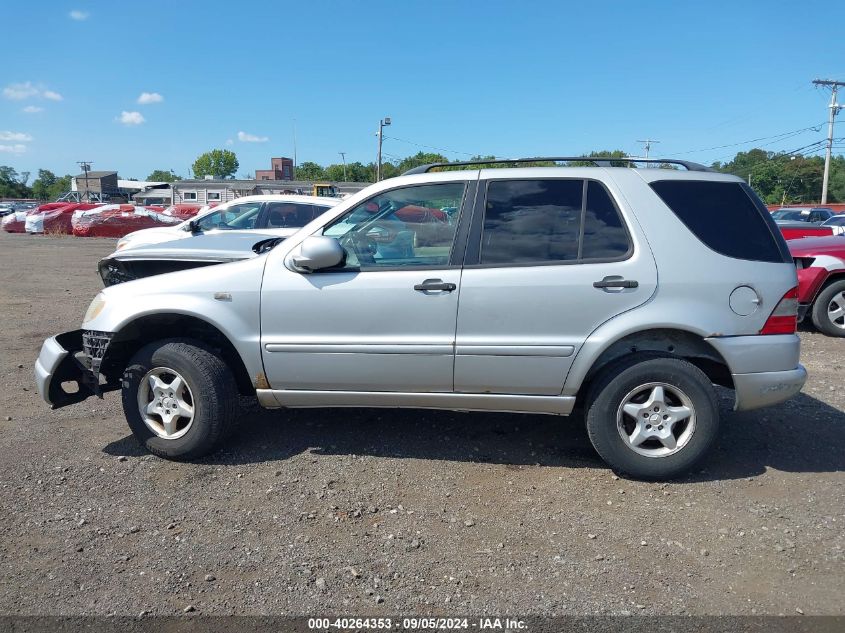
pixel 54 217
pixel 821 281
pixel 116 220
pixel 803 229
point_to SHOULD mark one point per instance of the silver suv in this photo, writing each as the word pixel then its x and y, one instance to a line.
pixel 625 292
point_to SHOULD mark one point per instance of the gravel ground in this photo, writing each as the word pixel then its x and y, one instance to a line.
pixel 397 512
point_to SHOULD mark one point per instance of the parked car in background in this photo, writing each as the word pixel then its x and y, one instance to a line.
pixel 284 212
pixel 15 222
pixel 116 220
pixel 6 209
pixel 797 230
pixel 54 217
pixel 821 281
pixel 183 211
pixel 612 288
pixel 813 215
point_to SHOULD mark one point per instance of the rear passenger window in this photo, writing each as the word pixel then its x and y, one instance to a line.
pixel 542 221
pixel 531 221
pixel 724 217
pixel 291 214
pixel 604 235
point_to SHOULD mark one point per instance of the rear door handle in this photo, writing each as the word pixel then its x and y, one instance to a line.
pixel 615 281
pixel 435 284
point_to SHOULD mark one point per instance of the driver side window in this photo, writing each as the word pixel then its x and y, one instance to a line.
pixel 409 226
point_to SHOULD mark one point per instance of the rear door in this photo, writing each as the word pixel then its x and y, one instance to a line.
pixel 548 260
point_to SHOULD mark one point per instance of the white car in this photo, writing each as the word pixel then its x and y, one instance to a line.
pixel 280 215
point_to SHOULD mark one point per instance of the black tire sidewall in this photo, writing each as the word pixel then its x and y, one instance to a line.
pixel 613 385
pixel 819 314
pixel 201 370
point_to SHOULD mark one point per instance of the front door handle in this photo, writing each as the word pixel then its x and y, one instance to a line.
pixel 435 284
pixel 615 281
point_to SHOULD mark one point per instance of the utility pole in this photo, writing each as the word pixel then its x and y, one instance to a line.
pixel 343 157
pixel 86 167
pixel 294 149
pixel 834 109
pixel 647 145
pixel 381 125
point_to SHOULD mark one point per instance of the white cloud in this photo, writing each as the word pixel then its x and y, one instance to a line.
pixel 150 97
pixel 19 92
pixel 131 118
pixel 13 149
pixel 78 15
pixel 229 141
pixel 31 109
pixel 243 137
pixel 29 90
pixel 17 137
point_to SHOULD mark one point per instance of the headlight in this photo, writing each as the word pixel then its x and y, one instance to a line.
pixel 95 308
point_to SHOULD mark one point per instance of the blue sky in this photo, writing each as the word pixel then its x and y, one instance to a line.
pixel 504 78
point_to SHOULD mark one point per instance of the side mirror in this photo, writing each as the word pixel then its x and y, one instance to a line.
pixel 194 227
pixel 316 253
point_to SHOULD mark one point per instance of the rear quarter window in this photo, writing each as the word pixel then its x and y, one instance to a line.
pixel 726 216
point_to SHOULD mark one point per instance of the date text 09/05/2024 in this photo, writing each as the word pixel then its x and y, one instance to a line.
pixel 414 624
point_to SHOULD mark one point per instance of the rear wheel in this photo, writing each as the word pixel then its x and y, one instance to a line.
pixel 653 418
pixel 180 400
pixel 829 310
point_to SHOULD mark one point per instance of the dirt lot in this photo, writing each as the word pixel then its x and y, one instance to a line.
pixel 397 512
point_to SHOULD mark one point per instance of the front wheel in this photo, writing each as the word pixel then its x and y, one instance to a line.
pixel 653 419
pixel 180 400
pixel 829 310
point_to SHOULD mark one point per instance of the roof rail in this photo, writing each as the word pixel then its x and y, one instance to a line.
pixel 600 161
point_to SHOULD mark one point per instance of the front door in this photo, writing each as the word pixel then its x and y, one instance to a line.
pixel 385 319
pixel 548 261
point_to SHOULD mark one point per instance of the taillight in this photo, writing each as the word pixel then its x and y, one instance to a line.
pixel 784 318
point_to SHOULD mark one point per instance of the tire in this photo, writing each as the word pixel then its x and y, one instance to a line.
pixel 833 296
pixel 206 390
pixel 647 453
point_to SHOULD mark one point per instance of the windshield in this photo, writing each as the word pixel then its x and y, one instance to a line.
pixel 836 220
pixel 787 214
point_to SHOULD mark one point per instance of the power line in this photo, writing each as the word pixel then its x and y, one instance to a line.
pixel 781 136
pixel 439 149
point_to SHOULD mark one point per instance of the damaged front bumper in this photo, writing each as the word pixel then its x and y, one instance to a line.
pixel 68 368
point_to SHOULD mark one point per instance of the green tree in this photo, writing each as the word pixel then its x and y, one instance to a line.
pixel 160 175
pixel 13 184
pixel 335 173
pixel 420 158
pixel 59 188
pixel 355 172
pixel 836 185
pixel 41 185
pixel 220 163
pixel 309 171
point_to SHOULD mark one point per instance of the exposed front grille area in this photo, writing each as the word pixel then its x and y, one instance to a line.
pixel 94 345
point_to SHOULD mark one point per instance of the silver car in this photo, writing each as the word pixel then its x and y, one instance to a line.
pixel 529 290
